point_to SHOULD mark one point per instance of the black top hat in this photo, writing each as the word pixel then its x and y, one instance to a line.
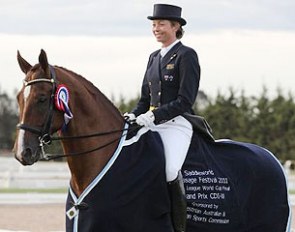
pixel 170 12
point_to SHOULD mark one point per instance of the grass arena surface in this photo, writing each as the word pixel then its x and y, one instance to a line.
pixel 41 218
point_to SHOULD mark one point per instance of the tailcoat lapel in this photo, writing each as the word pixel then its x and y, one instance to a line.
pixel 172 54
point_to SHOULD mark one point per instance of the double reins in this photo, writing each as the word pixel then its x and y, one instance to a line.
pixel 48 157
pixel 45 137
pixel 135 127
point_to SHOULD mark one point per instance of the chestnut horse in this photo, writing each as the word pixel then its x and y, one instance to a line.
pixel 118 172
pixel 56 99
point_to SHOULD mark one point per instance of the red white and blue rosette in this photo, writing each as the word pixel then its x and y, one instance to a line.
pixel 62 98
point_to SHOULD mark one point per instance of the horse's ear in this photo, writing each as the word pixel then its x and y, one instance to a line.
pixel 23 64
pixel 43 61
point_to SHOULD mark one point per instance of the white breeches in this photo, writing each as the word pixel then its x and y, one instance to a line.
pixel 176 136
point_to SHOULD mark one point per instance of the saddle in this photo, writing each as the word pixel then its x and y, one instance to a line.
pixel 200 126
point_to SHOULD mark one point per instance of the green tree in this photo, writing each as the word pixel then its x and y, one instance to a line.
pixel 262 118
pixel 282 127
pixel 228 115
pixel 8 121
pixel 124 106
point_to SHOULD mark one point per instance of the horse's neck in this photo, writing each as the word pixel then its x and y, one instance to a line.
pixel 84 168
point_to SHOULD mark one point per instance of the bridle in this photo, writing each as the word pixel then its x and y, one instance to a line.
pixel 44 133
pixel 45 137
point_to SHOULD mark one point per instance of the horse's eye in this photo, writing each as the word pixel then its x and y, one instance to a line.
pixel 42 99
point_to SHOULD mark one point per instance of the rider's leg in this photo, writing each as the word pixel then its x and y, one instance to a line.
pixel 178 203
pixel 176 136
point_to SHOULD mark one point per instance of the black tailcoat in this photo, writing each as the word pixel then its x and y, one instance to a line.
pixel 170 84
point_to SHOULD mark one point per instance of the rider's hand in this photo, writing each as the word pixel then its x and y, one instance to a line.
pixel 145 119
pixel 129 117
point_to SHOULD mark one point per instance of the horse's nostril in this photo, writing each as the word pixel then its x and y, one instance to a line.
pixel 28 153
pixel 29 156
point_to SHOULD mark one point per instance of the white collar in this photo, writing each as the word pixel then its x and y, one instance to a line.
pixel 165 50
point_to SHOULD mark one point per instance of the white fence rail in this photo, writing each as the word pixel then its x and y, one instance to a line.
pixel 40 175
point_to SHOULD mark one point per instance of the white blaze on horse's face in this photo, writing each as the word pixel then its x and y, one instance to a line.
pixel 21 133
pixel 27 91
pixel 20 140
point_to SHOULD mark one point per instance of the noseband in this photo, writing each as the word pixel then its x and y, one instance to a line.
pixel 44 133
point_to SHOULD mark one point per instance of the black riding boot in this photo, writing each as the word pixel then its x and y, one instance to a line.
pixel 178 203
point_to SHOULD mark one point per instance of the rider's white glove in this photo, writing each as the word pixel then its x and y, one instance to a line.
pixel 129 117
pixel 145 119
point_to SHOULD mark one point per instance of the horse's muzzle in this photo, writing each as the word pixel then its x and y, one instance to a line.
pixel 28 156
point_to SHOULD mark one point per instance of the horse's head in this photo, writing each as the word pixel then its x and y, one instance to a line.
pixel 38 118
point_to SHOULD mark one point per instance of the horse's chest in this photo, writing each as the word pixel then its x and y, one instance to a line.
pixel 132 195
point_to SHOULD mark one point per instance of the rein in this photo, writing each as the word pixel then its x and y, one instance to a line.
pixel 86 136
pixel 48 157
pixel 44 133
